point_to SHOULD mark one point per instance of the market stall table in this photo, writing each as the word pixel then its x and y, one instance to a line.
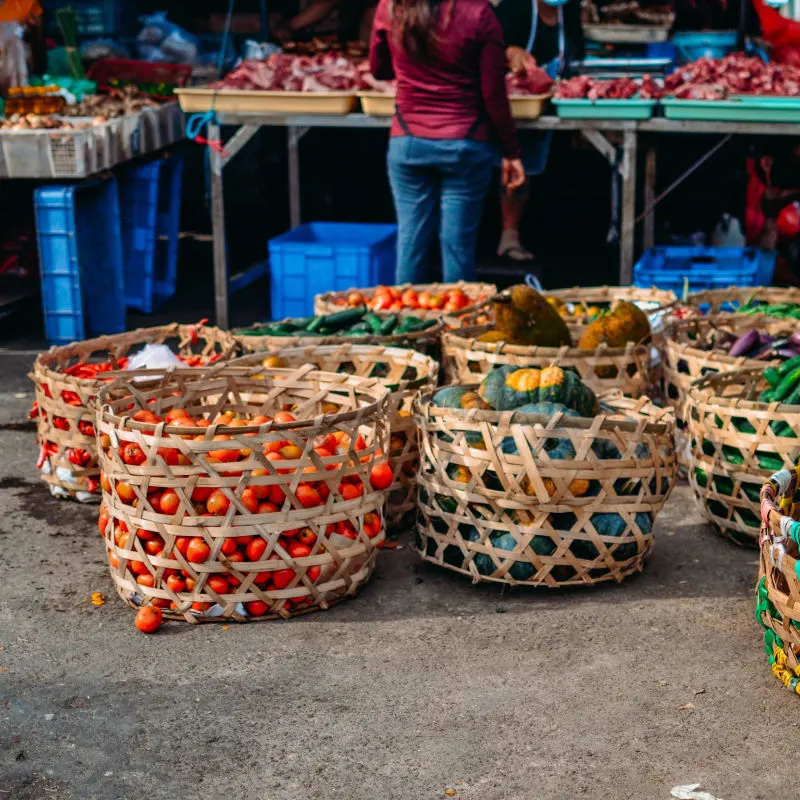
pixel 620 149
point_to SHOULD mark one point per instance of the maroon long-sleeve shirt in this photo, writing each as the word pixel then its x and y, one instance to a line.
pixel 460 90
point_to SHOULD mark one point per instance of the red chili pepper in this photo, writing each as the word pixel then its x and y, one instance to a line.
pixel 75 368
pixel 70 398
pixel 45 451
pixel 86 428
pixel 93 485
pixel 34 412
pixel 78 457
pixel 61 423
pixel 46 389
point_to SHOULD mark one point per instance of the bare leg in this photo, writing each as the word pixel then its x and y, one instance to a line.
pixel 512 207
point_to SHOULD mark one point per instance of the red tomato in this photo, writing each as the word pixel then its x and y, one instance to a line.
pixel 298 550
pixel 146 580
pixel 126 493
pixel 137 567
pixel 266 508
pixel 154 546
pixel 145 415
pixel 102 521
pixel 314 573
pixel 276 496
pixel 201 493
pixel 218 584
pixel 307 496
pixel 228 546
pixel 282 578
pixel 284 416
pixel 131 453
pixel 170 455
pixel 148 619
pixel 176 583
pixel 256 608
pixel 249 500
pixel 170 502
pixel 198 551
pixel 307 537
pixel 256 549
pixel 182 544
pixel 381 476
pixel 218 503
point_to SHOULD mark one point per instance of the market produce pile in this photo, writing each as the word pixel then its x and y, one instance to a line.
pixel 626 12
pixel 735 74
pixel 524 317
pixel 533 81
pixel 358 321
pixel 37 122
pixel 391 298
pixel 324 72
pixel 585 87
pixel 116 103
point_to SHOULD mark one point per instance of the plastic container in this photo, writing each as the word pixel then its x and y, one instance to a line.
pixel 691 45
pixel 266 102
pixel 327 257
pixel 110 71
pixel 580 108
pixel 528 106
pixel 80 257
pixel 703 267
pixel 742 109
pixel 149 196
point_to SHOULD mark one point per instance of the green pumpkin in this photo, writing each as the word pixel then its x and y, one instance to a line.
pixel 458 397
pixel 564 386
pixel 609 524
pixel 507 388
pixel 559 449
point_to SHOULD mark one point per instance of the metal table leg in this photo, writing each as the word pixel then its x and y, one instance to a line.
pixel 648 237
pixel 628 227
pixel 218 231
pixel 293 136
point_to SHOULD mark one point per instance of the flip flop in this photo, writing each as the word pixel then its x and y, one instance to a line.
pixel 517 253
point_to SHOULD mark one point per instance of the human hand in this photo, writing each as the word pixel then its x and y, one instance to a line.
pixel 512 174
pixel 519 60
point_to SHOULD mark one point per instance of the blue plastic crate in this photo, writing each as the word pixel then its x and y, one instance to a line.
pixel 704 268
pixel 691 45
pixel 327 257
pixel 80 258
pixel 150 197
pixel 168 228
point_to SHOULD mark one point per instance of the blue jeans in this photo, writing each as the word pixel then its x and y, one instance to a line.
pixel 438 184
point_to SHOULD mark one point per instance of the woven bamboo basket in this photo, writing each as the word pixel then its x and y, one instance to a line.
pixel 306 526
pixel 714 301
pixel 406 374
pixel 627 369
pixel 688 356
pixel 426 341
pixel 542 500
pixel 331 302
pixel 735 446
pixel 653 301
pixel 778 588
pixel 65 411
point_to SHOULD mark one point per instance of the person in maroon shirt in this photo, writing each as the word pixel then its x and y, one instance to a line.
pixel 449 60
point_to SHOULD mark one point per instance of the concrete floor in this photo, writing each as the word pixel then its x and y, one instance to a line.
pixel 420 686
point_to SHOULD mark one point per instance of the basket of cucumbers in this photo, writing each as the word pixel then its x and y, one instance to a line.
pixel 359 325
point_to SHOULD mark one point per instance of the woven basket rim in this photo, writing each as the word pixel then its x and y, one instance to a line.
pixel 45 360
pixel 669 297
pixel 165 429
pixel 424 405
pixel 431 365
pixel 466 339
pixel 702 389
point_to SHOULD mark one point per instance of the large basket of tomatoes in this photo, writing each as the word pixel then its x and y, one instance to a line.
pixel 427 301
pixel 406 374
pixel 66 381
pixel 242 493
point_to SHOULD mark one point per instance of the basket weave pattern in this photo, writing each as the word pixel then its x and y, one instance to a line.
pixel 606 296
pixel 735 447
pixel 66 414
pixel 405 373
pixel 778 588
pixel 626 369
pixel 535 500
pixel 342 534
pixel 688 355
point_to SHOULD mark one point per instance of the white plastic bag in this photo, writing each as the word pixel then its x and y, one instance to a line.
pixel 154 356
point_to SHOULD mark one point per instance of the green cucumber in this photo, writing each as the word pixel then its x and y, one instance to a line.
pixel 788 366
pixel 344 319
pixel 388 325
pixel 766 396
pixel 315 324
pixel 772 376
pixel 374 322
pixel 786 385
pixel 769 461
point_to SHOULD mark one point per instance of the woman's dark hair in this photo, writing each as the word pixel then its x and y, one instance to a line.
pixel 414 23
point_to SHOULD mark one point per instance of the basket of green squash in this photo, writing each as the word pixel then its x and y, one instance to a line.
pixel 743 425
pixel 529 479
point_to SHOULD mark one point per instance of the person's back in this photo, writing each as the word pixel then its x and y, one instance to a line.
pixel 456 88
pixel 449 61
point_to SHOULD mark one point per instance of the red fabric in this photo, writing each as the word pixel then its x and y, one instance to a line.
pixel 781 33
pixel 463 81
pixel 754 216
